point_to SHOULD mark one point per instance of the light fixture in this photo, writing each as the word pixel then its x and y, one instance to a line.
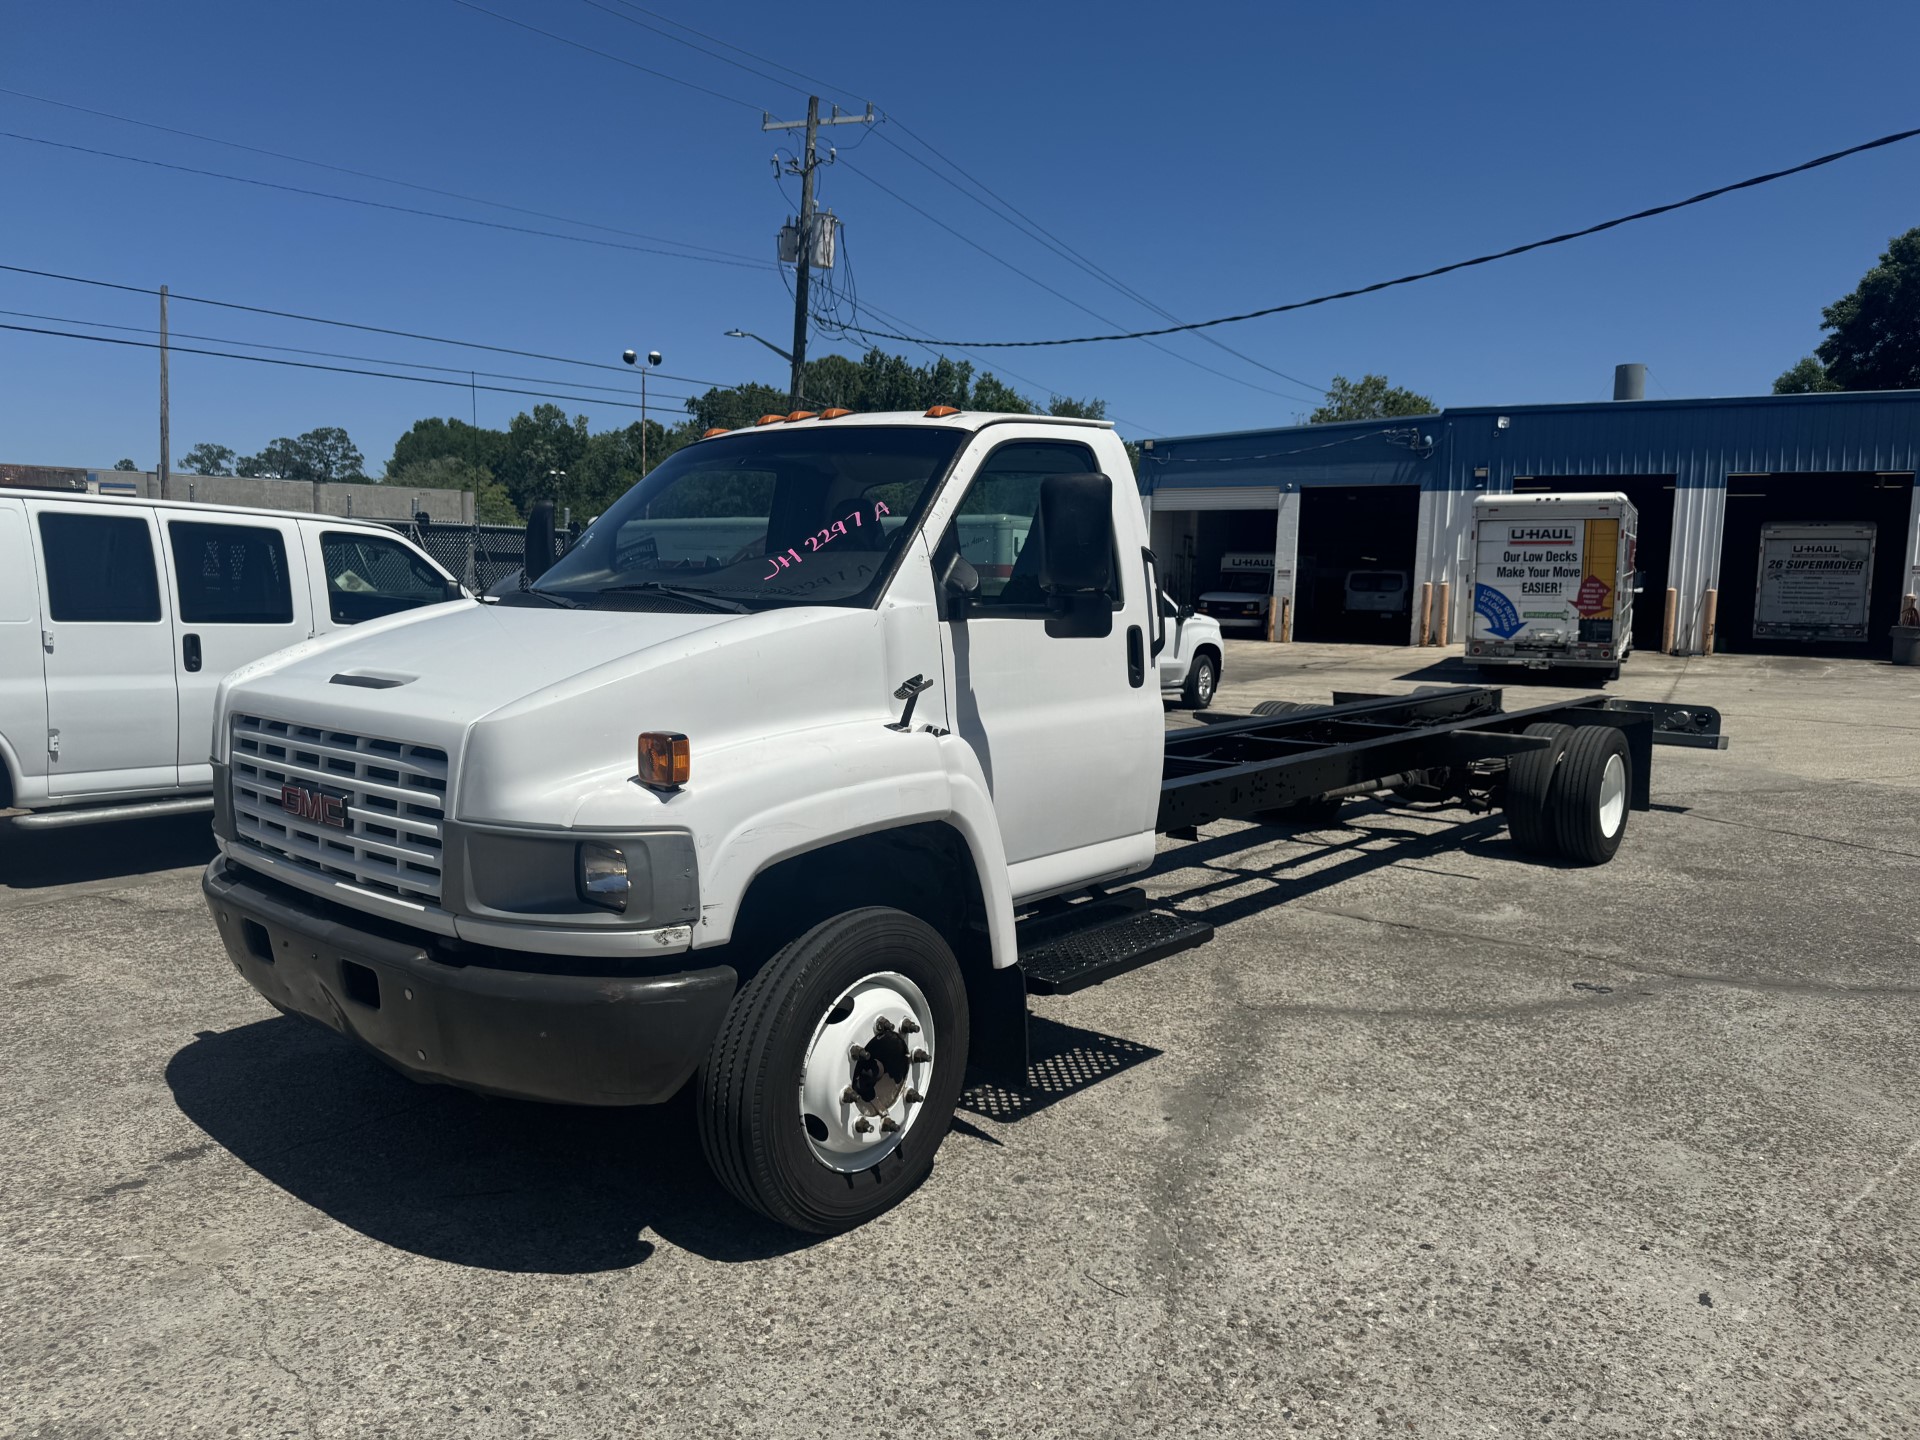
pixel 601 871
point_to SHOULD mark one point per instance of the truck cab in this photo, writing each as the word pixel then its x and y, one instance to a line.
pixel 754 776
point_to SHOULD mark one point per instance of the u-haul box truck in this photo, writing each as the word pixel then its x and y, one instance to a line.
pixel 1554 580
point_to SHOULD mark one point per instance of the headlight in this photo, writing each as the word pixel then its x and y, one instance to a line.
pixel 602 873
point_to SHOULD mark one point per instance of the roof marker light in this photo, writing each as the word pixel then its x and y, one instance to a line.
pixel 801 415
pixel 940 412
pixel 769 419
pixel 834 413
pixel 713 430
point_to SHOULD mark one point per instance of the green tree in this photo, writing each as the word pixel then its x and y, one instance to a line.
pixel 208 459
pixel 324 455
pixel 1071 409
pixel 542 446
pixel 491 502
pixel 1807 377
pixel 1368 398
pixel 1874 342
pixel 990 392
pixel 125 465
pixel 431 439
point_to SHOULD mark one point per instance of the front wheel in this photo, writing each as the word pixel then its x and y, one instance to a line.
pixel 834 1078
pixel 1197 694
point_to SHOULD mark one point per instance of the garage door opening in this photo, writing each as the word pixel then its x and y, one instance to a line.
pixel 1851 502
pixel 1353 579
pixel 1233 569
pixel 1653 498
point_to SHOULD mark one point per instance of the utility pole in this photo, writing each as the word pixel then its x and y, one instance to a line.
pixel 803 255
pixel 164 417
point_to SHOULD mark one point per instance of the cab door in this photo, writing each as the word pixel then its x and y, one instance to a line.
pixel 240 592
pixel 107 640
pixel 1067 730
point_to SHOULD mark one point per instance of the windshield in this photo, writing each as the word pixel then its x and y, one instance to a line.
pixel 770 517
pixel 1377 582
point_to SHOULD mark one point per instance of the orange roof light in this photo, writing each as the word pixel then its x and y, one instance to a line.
pixel 714 430
pixel 769 419
pixel 801 415
pixel 665 759
pixel 940 412
pixel 834 413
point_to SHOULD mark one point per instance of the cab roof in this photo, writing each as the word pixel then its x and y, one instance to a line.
pixel 196 507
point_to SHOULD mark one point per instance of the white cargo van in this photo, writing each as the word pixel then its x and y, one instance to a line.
pixel 119 618
pixel 1554 581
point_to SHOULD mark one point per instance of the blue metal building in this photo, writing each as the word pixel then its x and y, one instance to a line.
pixel 1398 494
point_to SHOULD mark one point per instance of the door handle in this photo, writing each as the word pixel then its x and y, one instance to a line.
pixel 190 651
pixel 1136 657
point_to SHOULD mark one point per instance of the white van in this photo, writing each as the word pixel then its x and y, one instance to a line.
pixel 119 618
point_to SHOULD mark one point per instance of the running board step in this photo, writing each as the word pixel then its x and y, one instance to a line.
pixel 1070 962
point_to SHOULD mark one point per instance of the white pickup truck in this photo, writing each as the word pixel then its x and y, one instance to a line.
pixel 805 821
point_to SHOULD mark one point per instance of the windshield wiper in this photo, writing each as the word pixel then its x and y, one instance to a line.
pixel 549 597
pixel 698 597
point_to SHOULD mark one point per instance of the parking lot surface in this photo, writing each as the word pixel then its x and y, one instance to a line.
pixel 1433 1139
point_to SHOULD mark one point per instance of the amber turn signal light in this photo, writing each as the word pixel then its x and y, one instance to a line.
pixel 665 760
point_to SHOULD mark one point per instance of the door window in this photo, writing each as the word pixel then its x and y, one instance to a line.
pixel 997 527
pixel 99 568
pixel 231 574
pixel 368 576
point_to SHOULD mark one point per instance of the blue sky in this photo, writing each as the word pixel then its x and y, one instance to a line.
pixel 1214 158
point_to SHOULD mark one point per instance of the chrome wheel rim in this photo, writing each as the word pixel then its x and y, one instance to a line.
pixel 1203 681
pixel 865 1072
pixel 1613 796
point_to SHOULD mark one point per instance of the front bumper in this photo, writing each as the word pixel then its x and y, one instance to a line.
pixel 574 1039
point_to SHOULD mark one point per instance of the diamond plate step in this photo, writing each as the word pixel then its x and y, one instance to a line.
pixel 1074 961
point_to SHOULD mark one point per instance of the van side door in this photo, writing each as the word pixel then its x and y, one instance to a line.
pixel 113 722
pixel 240 590
pixel 23 678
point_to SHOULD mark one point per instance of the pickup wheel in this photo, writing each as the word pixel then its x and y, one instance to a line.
pixel 1197 693
pixel 1529 797
pixel 1591 795
pixel 834 1078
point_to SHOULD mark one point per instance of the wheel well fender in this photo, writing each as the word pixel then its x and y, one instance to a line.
pixel 10 774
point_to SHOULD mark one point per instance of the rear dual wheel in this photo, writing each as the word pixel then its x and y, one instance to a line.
pixel 835 1075
pixel 1571 798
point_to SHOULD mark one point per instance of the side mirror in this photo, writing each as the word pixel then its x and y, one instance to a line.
pixel 1076 535
pixel 1186 612
pixel 538 557
pixel 959 583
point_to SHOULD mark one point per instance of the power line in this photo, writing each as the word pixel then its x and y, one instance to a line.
pixel 1487 259
pixel 369 175
pixel 337 355
pixel 743 263
pixel 609 55
pixel 668 35
pixel 339 324
pixel 1000 260
pixel 742 50
pixel 311 365
pixel 1038 233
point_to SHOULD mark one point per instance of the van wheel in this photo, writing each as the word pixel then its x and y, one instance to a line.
pixel 1592 794
pixel 1197 693
pixel 835 1075
pixel 1529 795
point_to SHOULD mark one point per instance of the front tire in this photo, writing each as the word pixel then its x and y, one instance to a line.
pixel 819 1128
pixel 1202 678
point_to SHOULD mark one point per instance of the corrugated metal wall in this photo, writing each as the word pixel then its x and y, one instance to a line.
pixel 1698 442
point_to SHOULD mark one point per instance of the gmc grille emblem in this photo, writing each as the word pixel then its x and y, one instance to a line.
pixel 318 807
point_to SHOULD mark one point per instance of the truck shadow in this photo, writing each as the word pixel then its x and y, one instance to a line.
pixel 1062 1061
pixel 493 1184
pixel 35 859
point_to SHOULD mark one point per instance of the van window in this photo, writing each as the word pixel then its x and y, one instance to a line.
pixel 99 568
pixel 230 574
pixel 369 576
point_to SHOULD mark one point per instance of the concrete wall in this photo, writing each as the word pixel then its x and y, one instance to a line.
pixel 360 501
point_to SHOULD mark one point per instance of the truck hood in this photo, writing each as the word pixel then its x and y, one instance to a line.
pixel 537 708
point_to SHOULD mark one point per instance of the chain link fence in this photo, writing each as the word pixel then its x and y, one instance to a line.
pixel 479 556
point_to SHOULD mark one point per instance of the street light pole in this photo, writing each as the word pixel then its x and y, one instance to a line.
pixel 632 358
pixel 749 335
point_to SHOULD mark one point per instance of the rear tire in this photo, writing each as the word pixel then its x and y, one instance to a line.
pixel 1529 796
pixel 1202 679
pixel 791 1150
pixel 1592 795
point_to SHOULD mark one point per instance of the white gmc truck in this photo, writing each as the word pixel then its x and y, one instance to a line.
pixel 801 818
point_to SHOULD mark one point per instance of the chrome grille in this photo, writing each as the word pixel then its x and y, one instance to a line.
pixel 395 799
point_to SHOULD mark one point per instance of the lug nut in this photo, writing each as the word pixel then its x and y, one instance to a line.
pixel 920 1057
pixel 913 1097
pixel 858 1054
pixel 889 1124
pixel 847 1097
pixel 909 1026
pixel 882 1026
pixel 862 1125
